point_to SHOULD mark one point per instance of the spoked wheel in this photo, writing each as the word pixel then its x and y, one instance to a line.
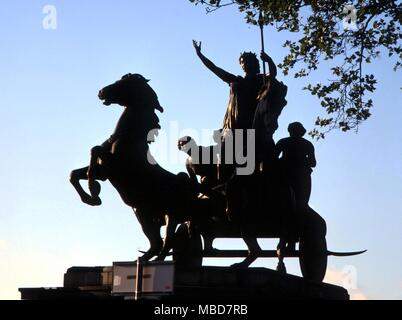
pixel 313 248
pixel 187 249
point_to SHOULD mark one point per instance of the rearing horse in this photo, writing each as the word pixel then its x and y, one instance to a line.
pixel 157 196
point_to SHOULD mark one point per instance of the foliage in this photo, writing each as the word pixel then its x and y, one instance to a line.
pixel 331 31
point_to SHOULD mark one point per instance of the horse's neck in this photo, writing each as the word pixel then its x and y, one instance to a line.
pixel 134 129
pixel 133 148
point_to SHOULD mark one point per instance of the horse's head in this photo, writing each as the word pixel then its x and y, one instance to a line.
pixel 130 90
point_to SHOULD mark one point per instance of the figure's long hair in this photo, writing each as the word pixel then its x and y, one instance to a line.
pixel 250 58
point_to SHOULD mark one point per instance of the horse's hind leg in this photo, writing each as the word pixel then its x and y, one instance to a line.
pixel 281 268
pixel 254 250
pixel 94 186
pixel 151 230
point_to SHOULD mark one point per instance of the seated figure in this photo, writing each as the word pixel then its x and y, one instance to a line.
pixel 202 161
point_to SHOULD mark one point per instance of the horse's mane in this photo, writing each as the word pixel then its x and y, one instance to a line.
pixel 150 103
pixel 149 97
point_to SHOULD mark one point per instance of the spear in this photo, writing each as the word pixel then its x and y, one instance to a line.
pixel 261 24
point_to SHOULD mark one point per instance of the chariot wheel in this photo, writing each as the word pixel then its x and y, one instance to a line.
pixel 313 248
pixel 187 248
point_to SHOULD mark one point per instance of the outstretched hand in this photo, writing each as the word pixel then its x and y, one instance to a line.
pixel 197 46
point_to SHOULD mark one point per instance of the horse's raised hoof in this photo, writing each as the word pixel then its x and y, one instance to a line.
pixel 94 188
pixel 92 201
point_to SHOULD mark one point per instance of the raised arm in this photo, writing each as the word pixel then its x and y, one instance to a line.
pixel 222 74
pixel 271 64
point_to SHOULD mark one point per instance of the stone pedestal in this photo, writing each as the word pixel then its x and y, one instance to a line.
pixel 251 284
pixel 205 283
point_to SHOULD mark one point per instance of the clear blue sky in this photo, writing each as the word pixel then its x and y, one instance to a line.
pixel 50 118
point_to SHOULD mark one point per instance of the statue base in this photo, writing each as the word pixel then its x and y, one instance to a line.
pixel 204 283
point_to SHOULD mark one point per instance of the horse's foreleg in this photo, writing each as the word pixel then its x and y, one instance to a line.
pixel 90 199
pixel 91 173
pixel 254 250
pixel 171 224
pixel 151 231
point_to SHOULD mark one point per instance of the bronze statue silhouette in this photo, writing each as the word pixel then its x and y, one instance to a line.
pixel 297 161
pixel 256 101
pixel 159 197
